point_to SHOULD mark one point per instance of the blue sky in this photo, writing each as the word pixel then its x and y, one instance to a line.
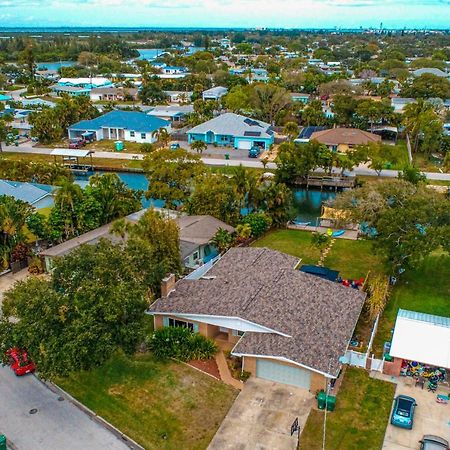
pixel 227 13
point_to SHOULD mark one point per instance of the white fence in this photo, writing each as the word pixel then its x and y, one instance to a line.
pixel 357 359
pixel 376 364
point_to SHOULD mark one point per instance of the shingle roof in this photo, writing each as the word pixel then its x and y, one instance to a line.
pixel 262 286
pixel 349 136
pixel 233 124
pixel 200 229
pixel 129 120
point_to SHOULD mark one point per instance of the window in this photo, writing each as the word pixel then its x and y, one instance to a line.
pixel 195 255
pixel 143 135
pixel 180 323
pixel 132 133
pixel 238 333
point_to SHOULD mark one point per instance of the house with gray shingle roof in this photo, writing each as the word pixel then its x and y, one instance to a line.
pixel 233 130
pixel 288 326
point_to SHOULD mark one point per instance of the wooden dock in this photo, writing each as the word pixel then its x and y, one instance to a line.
pixel 329 182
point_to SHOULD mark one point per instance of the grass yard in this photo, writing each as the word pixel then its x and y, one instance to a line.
pixel 352 258
pixel 425 289
pixel 162 405
pixel 360 419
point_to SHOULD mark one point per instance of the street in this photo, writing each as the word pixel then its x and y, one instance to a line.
pixel 56 425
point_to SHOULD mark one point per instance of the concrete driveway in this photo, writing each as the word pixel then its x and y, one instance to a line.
pixel 56 425
pixel 261 417
pixel 429 418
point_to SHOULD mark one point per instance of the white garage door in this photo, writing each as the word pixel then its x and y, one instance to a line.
pixel 245 145
pixel 282 373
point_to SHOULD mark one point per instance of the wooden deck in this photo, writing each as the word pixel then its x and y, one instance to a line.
pixel 328 182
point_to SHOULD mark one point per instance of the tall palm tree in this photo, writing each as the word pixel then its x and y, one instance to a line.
pixel 162 136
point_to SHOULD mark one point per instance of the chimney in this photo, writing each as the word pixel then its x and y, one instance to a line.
pixel 167 285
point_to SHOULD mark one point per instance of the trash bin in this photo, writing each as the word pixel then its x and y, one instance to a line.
pixel 119 146
pixel 321 399
pixel 227 156
pixel 331 403
pixel 2 442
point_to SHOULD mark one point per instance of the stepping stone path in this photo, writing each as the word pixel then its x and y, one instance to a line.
pixel 325 252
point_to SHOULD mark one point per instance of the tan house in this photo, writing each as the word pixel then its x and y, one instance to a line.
pixel 288 326
pixel 341 139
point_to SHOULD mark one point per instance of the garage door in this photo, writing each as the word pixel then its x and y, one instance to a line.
pixel 245 145
pixel 282 373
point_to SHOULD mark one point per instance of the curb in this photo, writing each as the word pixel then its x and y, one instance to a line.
pixel 92 415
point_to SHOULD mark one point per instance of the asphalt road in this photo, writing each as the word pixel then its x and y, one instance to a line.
pixel 57 425
pixel 253 163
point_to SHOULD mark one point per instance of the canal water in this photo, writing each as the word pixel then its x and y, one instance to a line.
pixel 307 203
pixel 54 65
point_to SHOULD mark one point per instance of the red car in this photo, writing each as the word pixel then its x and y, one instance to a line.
pixel 77 143
pixel 20 363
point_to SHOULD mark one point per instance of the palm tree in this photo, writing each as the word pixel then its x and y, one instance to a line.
pixel 66 198
pixel 162 136
pixel 199 146
pixel 291 130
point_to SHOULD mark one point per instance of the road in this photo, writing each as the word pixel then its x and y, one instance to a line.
pixel 56 425
pixel 252 163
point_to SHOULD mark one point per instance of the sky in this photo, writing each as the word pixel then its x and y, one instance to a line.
pixel 227 13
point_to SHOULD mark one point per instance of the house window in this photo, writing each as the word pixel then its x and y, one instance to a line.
pixel 132 133
pixel 143 135
pixel 180 323
pixel 195 255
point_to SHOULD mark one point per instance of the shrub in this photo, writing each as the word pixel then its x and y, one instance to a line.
pixel 244 376
pixel 377 288
pixel 259 223
pixel 182 344
pixel 147 147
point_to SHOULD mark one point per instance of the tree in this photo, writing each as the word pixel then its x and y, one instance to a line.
pixel 427 85
pixel 340 86
pixel 321 241
pixel 412 175
pixel 344 107
pixel 409 221
pixel 213 194
pixel 277 203
pixel 171 174
pixel 379 155
pixel 162 136
pixel 46 126
pixel 313 114
pixel 92 306
pixel 247 187
pixel 222 240
pixel 151 93
pixel 27 58
pixel 291 130
pixel 7 133
pixel 237 99
pixel 199 146
pixel 373 112
pixel 269 100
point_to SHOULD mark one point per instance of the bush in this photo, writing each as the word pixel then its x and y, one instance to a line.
pixel 182 344
pixel 147 147
pixel 244 376
pixel 259 223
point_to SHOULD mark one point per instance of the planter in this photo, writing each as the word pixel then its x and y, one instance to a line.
pixel 17 266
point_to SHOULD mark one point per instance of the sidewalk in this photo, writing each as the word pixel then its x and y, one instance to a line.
pixel 224 372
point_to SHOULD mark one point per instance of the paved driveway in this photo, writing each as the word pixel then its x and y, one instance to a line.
pixel 429 418
pixel 56 425
pixel 261 417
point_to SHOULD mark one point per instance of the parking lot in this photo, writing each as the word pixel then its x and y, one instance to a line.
pixel 430 417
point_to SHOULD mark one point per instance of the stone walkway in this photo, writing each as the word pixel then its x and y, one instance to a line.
pixel 225 374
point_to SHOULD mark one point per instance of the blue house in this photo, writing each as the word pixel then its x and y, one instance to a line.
pixel 233 130
pixel 37 195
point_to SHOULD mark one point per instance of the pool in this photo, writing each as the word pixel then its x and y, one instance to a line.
pixel 307 203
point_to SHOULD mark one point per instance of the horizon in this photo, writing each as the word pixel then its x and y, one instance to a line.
pixel 227 14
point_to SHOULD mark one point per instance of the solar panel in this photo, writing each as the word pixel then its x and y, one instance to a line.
pixel 252 133
pixel 252 123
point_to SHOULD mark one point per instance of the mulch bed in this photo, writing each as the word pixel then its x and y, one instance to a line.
pixel 208 366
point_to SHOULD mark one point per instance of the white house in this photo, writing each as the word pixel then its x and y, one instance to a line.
pixel 215 93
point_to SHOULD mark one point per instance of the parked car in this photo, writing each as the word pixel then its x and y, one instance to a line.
pixel 430 442
pixel 174 146
pixel 254 152
pixel 19 361
pixel 76 143
pixel 403 412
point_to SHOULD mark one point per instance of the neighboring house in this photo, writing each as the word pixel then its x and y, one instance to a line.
pixel 38 102
pixel 172 70
pixel 257 76
pixel 90 83
pixel 430 70
pixel 225 43
pixel 399 103
pixel 5 98
pixel 288 326
pixel 113 94
pixel 121 125
pixel 73 91
pixel 233 130
pixel 179 96
pixel 171 113
pixel 196 234
pixel 37 195
pixel 306 133
pixel 419 337
pixel 300 98
pixel 341 139
pixel 215 93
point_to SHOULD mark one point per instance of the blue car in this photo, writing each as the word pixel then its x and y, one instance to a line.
pixel 403 412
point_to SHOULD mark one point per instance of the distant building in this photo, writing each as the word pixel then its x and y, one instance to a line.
pixel 179 96
pixel 215 93
pixel 399 103
pixel 432 71
pixel 37 195
pixel 121 125
pixel 171 113
pixel 300 98
pixel 113 94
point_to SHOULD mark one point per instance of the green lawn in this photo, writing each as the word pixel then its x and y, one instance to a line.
pixel 359 422
pixel 425 289
pixel 352 258
pixel 162 405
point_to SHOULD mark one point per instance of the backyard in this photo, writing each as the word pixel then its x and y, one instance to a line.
pixel 353 259
pixel 164 405
pixel 360 419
